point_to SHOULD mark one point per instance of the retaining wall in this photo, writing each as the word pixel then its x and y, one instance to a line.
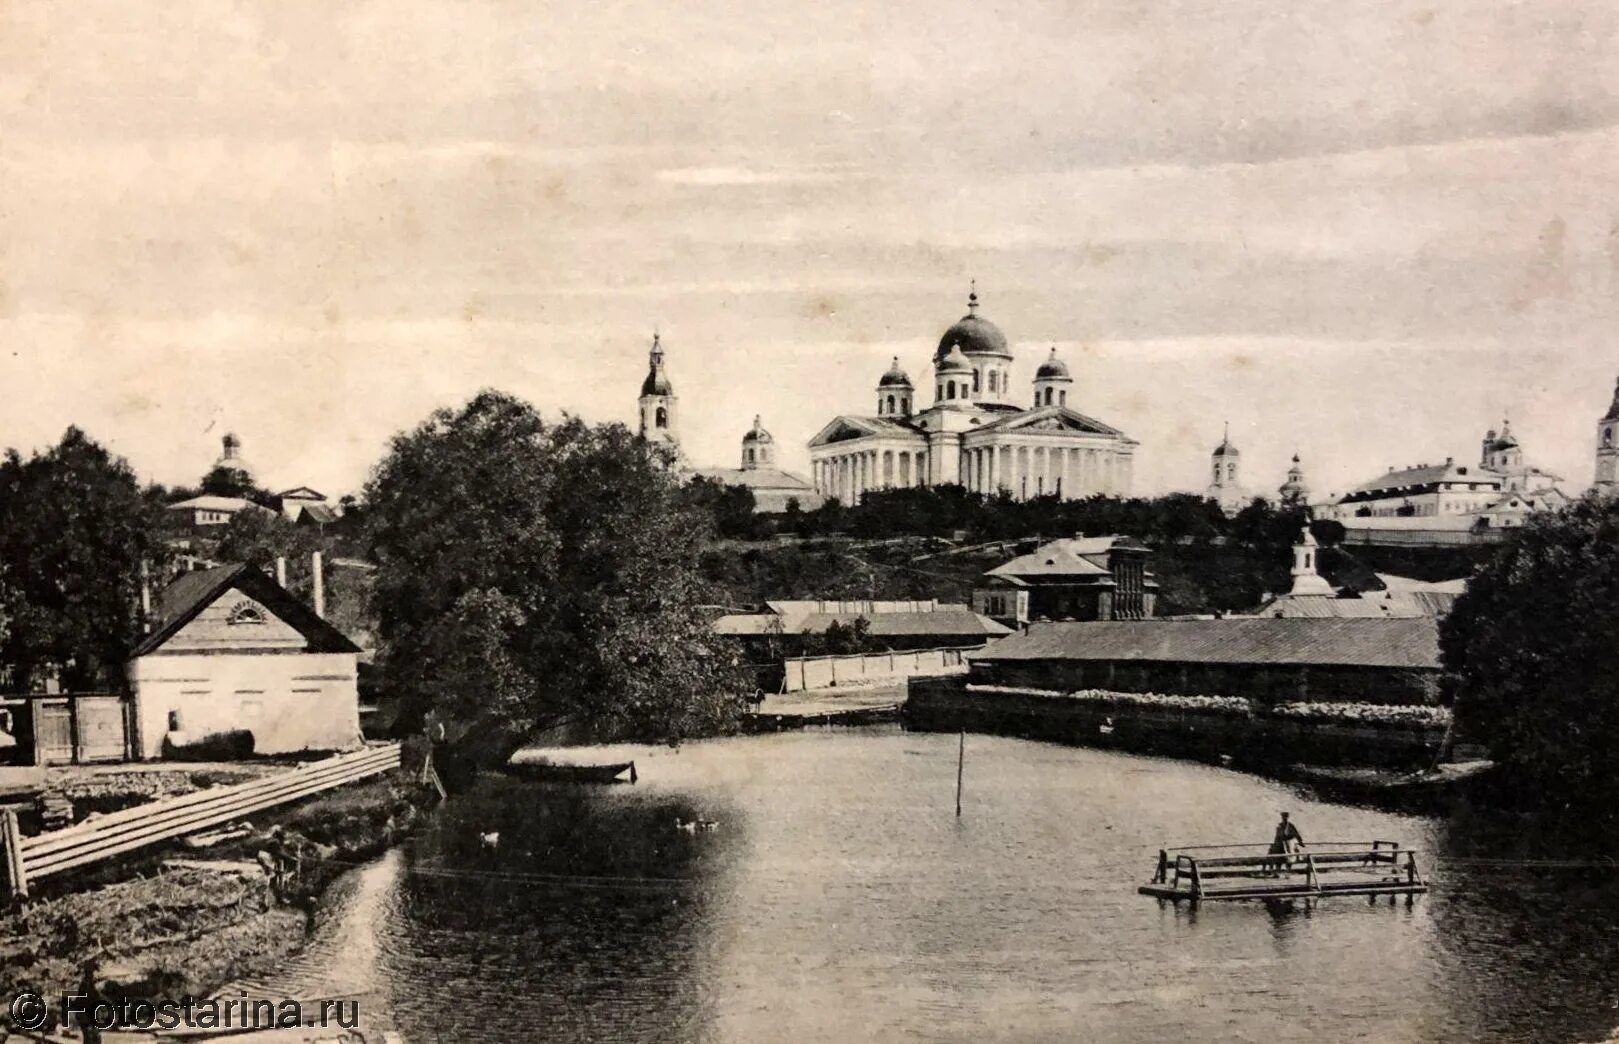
pixel 945 705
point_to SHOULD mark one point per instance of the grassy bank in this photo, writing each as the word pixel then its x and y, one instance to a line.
pixel 153 931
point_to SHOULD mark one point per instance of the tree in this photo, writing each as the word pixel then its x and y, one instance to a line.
pixel 75 530
pixel 1531 655
pixel 531 575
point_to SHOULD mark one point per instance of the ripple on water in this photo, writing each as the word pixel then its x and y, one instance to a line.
pixel 842 899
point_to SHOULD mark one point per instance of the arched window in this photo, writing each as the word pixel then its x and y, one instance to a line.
pixel 975 380
pixel 890 404
pixel 1062 398
pixel 245 613
pixel 941 392
pixel 1048 396
pixel 663 417
pixel 950 389
pixel 747 455
pixel 992 382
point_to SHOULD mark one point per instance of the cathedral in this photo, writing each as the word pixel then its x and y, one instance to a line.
pixel 973 434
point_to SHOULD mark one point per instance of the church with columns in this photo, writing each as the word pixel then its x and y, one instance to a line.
pixel 977 433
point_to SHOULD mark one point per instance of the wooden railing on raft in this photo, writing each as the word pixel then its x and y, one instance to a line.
pixel 26 860
pixel 1209 872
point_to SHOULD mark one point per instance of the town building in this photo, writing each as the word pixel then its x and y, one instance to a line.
pixel 1606 480
pixel 1083 578
pixel 789 627
pixel 208 511
pixel 1262 658
pixel 1226 488
pixel 231 650
pixel 1313 597
pixel 1431 500
pixel 974 434
pixel 773 488
pixel 307 506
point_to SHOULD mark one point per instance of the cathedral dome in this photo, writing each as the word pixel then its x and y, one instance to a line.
pixel 757 433
pixel 1225 448
pixel 973 334
pixel 1052 369
pixel 895 377
pixel 954 362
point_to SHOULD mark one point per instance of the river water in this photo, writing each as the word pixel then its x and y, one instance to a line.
pixel 839 898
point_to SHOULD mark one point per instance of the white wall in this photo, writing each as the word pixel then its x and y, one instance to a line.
pixel 290 701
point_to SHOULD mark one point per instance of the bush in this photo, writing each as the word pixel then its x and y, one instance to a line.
pixel 234 745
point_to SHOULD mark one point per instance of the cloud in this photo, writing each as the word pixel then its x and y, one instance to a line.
pixel 717 177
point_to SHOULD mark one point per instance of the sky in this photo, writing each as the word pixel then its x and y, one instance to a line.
pixel 1363 232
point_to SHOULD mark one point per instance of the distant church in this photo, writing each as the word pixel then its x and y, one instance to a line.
pixel 1606 481
pixel 973 434
pixel 1226 487
pixel 773 489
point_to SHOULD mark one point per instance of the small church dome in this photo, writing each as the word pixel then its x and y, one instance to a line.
pixel 973 334
pixel 1053 369
pixel 757 433
pixel 955 362
pixel 895 377
pixel 1226 449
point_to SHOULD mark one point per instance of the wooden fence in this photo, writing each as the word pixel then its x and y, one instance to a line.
pixel 29 859
pixel 829 672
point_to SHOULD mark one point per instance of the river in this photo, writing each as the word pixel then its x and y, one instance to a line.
pixel 839 898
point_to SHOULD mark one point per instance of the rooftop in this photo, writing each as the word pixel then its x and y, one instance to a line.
pixel 1249 640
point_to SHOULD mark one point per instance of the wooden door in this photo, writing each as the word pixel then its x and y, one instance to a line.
pixel 100 721
pixel 53 731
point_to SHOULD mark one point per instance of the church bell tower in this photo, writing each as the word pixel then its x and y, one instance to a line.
pixel 1607 471
pixel 657 400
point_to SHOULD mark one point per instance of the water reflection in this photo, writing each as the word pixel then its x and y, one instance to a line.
pixel 842 899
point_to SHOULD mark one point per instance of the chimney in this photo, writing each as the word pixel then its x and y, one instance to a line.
pixel 319 583
pixel 280 571
pixel 146 599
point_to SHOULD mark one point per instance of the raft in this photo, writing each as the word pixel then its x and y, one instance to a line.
pixel 1201 873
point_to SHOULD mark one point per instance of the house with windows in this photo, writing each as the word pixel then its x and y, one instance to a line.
pixel 230 649
pixel 1083 578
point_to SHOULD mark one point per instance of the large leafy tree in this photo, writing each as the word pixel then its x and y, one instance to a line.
pixel 534 574
pixel 1531 655
pixel 74 532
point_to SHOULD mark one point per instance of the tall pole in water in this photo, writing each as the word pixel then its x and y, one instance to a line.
pixel 961 759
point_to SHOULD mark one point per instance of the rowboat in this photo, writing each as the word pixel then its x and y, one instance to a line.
pixel 550 772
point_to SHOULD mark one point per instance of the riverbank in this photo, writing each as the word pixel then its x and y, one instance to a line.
pixel 155 928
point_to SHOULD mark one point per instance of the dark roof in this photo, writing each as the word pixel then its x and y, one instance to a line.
pixel 182 600
pixel 974 336
pixel 316 514
pixel 1411 643
pixel 939 622
pixel 1613 409
pixel 1067 558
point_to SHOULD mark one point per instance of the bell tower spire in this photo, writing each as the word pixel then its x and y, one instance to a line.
pixel 658 399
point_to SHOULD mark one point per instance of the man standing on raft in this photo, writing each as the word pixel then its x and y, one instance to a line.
pixel 1287 841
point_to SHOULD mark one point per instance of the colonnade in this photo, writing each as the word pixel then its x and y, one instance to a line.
pixel 1036 470
pixel 848 475
pixel 1025 471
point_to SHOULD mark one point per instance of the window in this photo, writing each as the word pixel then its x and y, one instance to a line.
pixel 992 384
pixel 245 613
pixel 1607 436
pixel 890 404
pixel 975 380
pixel 663 417
pixel 174 721
pixel 950 389
pixel 1062 398
pixel 747 455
